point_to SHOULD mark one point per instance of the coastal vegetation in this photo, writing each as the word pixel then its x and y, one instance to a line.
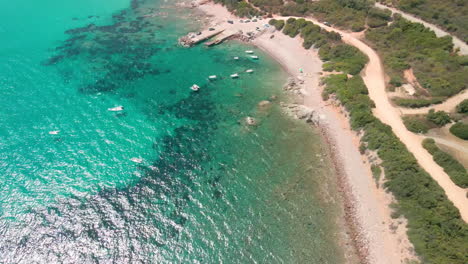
pixel 435 227
pixel 439 118
pixel 417 102
pixel 460 129
pixel 462 107
pixel 416 124
pixel 240 8
pixel 452 167
pixel 278 24
pixel 422 123
pixel 405 45
pixel 451 15
pixel 337 55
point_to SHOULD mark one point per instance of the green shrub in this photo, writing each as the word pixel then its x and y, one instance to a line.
pixel 436 229
pixel 404 45
pixel 439 118
pixel 450 15
pixel 342 57
pixel 416 103
pixel 415 124
pixel 462 108
pixel 278 24
pixel 460 130
pixel 451 166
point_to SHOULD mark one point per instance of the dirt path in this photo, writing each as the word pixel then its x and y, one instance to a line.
pixel 452 102
pixel 458 43
pixel 373 76
pixel 447 106
pixel 451 144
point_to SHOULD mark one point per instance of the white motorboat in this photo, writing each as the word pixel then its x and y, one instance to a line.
pixel 55 132
pixel 115 109
pixel 212 77
pixel 137 160
pixel 236 58
pixel 254 57
pixel 235 75
pixel 249 51
pixel 195 87
pixel 249 71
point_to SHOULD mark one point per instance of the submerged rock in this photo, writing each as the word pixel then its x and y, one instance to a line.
pixel 264 104
pixel 250 121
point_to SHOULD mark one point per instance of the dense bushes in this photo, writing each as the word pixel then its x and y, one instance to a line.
pixel 350 14
pixel 342 57
pixel 240 8
pixel 422 123
pixel 415 125
pixel 439 118
pixel 293 27
pixel 462 107
pixel 278 24
pixel 405 45
pixel 452 15
pixel 338 56
pixel 460 130
pixel 378 17
pixel 416 103
pixel 451 166
pixel 435 226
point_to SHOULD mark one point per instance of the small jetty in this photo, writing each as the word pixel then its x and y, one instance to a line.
pixel 194 38
pixel 221 37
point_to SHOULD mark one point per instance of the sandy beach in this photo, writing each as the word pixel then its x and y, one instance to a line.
pixel 378 237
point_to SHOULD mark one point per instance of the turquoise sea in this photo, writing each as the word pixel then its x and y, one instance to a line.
pixel 176 177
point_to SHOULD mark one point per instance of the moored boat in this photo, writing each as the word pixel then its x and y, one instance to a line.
pixel 115 109
pixel 249 51
pixel 235 75
pixel 195 87
pixel 249 71
pixel 212 77
pixel 254 57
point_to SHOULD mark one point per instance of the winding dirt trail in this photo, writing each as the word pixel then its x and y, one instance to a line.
pixel 447 106
pixel 452 102
pixel 458 43
pixel 373 76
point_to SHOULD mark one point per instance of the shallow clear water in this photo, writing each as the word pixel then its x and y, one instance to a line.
pixel 208 189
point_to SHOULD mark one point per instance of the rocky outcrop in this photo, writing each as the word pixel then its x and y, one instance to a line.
pixel 293 85
pixel 302 112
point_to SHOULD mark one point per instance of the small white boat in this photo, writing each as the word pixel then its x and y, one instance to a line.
pixel 55 132
pixel 249 51
pixel 195 87
pixel 235 75
pixel 137 160
pixel 254 57
pixel 115 109
pixel 236 58
pixel 212 77
pixel 249 71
